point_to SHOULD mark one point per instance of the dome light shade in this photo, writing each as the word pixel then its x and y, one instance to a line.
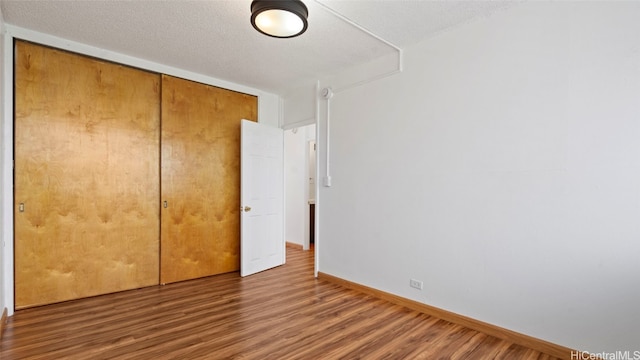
pixel 279 18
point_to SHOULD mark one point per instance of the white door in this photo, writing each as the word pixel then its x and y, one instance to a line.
pixel 262 198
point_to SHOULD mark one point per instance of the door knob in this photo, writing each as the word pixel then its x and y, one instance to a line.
pixel 247 208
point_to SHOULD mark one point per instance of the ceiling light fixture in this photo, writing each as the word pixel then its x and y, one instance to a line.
pixel 279 18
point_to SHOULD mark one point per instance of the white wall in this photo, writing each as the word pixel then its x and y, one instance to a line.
pixel 3 302
pixel 502 168
pixel 300 107
pixel 269 106
pixel 296 166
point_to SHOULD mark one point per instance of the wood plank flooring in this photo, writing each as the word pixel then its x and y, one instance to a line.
pixel 283 313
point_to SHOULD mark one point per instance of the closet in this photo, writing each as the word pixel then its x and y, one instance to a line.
pixel 99 148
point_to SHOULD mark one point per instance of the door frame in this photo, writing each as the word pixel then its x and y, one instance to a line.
pixel 306 239
pixel 310 190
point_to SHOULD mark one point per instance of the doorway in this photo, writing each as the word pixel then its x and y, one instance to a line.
pixel 300 185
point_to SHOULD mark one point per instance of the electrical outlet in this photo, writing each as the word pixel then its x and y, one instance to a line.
pixel 417 284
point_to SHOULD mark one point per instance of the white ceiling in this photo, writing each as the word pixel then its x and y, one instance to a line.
pixel 215 38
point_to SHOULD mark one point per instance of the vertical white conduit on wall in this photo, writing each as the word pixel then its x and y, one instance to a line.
pixel 327 93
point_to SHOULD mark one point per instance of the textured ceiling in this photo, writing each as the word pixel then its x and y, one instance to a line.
pixel 215 38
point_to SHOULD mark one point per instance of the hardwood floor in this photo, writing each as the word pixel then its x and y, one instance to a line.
pixel 284 313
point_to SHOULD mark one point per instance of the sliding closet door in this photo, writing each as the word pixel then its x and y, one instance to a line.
pixel 86 176
pixel 201 178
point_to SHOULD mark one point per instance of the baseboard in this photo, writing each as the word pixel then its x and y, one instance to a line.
pixel 486 328
pixel 294 246
pixel 3 321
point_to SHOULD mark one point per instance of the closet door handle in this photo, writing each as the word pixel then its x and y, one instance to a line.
pixel 165 204
pixel 21 207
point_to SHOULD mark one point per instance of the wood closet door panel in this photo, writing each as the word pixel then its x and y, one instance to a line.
pixel 200 227
pixel 87 171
